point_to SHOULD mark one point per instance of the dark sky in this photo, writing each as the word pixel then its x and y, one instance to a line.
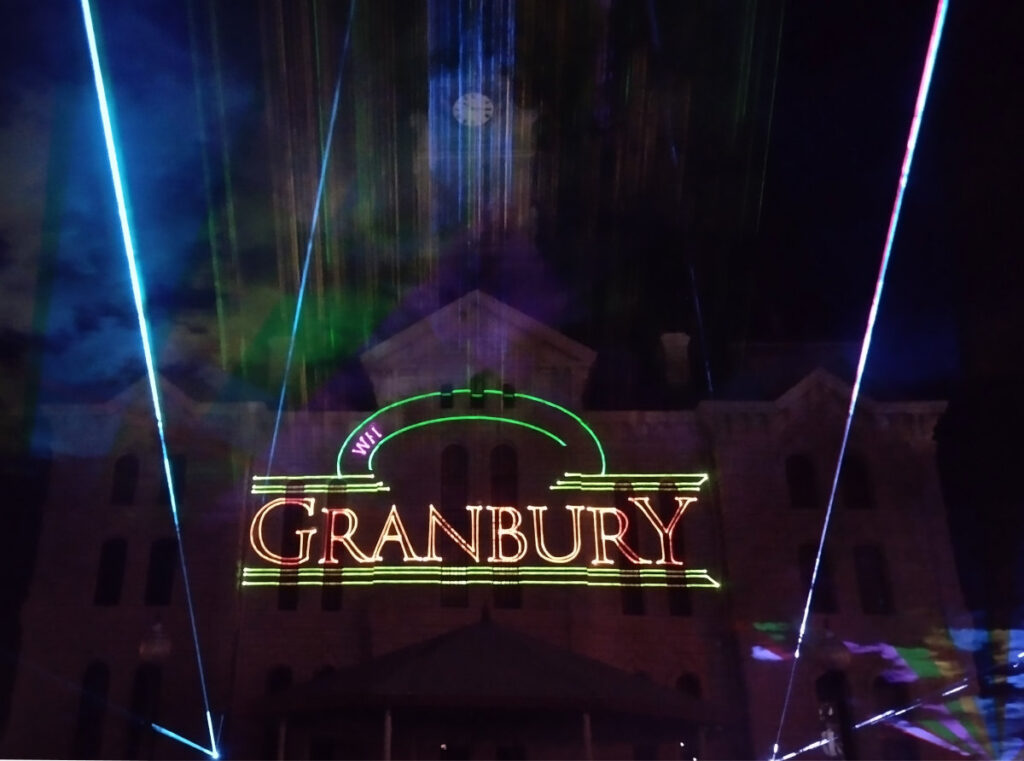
pixel 847 80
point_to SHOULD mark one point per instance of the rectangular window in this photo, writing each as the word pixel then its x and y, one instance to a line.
pixel 163 558
pixel 331 596
pixel 632 593
pixel 454 590
pixel 508 593
pixel 872 579
pixel 110 577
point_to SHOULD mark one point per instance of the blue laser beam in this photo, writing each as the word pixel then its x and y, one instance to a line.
pixel 185 741
pixel 908 157
pixel 312 234
pixel 137 294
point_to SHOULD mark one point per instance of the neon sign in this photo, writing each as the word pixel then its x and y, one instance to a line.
pixel 303 535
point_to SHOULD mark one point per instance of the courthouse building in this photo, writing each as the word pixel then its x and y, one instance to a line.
pixel 481 567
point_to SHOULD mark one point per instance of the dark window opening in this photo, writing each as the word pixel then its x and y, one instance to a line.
pixel 505 491
pixel 824 600
pixel 126 478
pixel 833 692
pixel 163 556
pixel 508 593
pixel 632 593
pixel 872 579
pixel 802 482
pixel 855 484
pixel 454 498
pixel 287 586
pixel 110 576
pixel 476 391
pixel 279 679
pixel 92 709
pixel 680 602
pixel 331 595
pixel 142 711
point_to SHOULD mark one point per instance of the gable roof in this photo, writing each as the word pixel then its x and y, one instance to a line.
pixel 476 317
pixel 473 334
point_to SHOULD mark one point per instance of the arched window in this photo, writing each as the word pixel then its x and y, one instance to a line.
pixel 505 492
pixel 143 710
pixel 126 478
pixel 632 592
pixel 872 579
pixel 454 498
pixel 163 557
pixel 855 484
pixel 92 709
pixel 454 480
pixel 833 692
pixel 679 600
pixel 802 482
pixel 688 684
pixel 110 576
pixel 279 679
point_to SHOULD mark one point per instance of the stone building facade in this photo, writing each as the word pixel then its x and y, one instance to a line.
pixel 480 405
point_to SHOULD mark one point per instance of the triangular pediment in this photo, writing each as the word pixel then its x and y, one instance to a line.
pixel 475 334
pixel 821 386
pixel 137 399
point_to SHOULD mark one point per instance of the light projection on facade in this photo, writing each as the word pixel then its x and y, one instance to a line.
pixel 606 529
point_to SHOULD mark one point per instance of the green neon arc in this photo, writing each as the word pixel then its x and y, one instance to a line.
pixel 490 391
pixel 460 418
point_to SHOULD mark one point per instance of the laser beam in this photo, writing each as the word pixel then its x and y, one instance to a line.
pixel 312 234
pixel 908 157
pixel 137 294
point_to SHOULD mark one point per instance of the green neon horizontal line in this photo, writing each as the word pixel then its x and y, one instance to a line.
pixel 702 476
pixel 324 477
pixel 320 487
pixel 477 569
pixel 604 485
pixel 607 487
pixel 475 582
pixel 471 575
pixel 315 489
